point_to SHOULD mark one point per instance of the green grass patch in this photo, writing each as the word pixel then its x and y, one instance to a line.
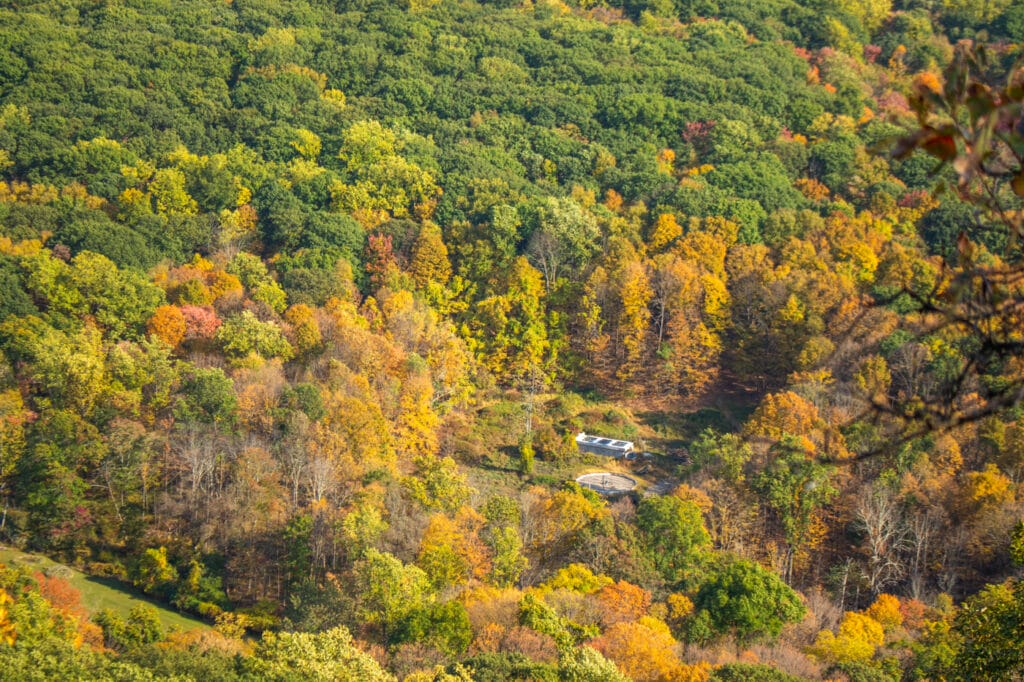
pixel 679 429
pixel 609 421
pixel 101 593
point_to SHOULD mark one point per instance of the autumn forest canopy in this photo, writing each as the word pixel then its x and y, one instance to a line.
pixel 303 304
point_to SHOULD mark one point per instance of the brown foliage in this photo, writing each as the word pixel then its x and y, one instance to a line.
pixel 532 644
pixel 414 657
pixel 258 391
pixel 491 606
pixel 202 641
pixel 913 612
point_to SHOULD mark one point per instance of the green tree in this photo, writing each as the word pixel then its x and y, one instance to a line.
pixel 750 672
pixel 208 397
pixel 508 562
pixel 723 456
pixel 47 643
pixel 253 274
pixel 142 627
pixel 510 330
pixel 69 368
pixel 12 441
pixel 154 574
pixel 388 590
pixel 329 656
pixel 585 664
pixel 380 178
pixel 745 600
pixel 363 527
pixel 445 626
pixel 990 626
pixel 438 484
pixel 121 301
pixel 563 239
pixel 502 536
pixel 244 334
pixel 795 486
pixel 673 533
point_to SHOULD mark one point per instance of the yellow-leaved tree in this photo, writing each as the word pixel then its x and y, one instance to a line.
pixel 858 638
pixel 644 650
pixel 634 319
pixel 430 263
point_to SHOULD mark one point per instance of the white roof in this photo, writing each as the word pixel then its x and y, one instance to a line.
pixel 601 441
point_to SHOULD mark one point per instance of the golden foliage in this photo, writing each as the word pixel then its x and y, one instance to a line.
pixel 858 637
pixel 450 551
pixel 430 257
pixel 612 200
pixel 782 413
pixel 989 487
pixel 623 602
pixel 679 606
pixel 575 578
pixel 812 189
pixel 665 231
pixel 305 329
pixel 666 161
pixel 645 651
pixel 8 631
pixel 167 324
pixel 887 610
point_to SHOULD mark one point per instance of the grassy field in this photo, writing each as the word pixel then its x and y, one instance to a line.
pixel 102 593
pixel 499 426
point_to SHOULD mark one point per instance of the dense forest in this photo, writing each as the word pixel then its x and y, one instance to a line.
pixel 303 304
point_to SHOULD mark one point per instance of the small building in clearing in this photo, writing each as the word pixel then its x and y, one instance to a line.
pixel 599 445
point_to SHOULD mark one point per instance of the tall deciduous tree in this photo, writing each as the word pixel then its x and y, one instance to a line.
pixel 564 237
pixel 510 330
pixel 389 590
pixel 746 600
pixel 673 532
pixel 795 487
pixel 430 264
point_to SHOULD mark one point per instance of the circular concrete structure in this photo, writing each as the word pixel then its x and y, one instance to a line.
pixel 606 483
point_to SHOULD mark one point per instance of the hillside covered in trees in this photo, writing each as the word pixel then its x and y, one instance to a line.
pixel 303 303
